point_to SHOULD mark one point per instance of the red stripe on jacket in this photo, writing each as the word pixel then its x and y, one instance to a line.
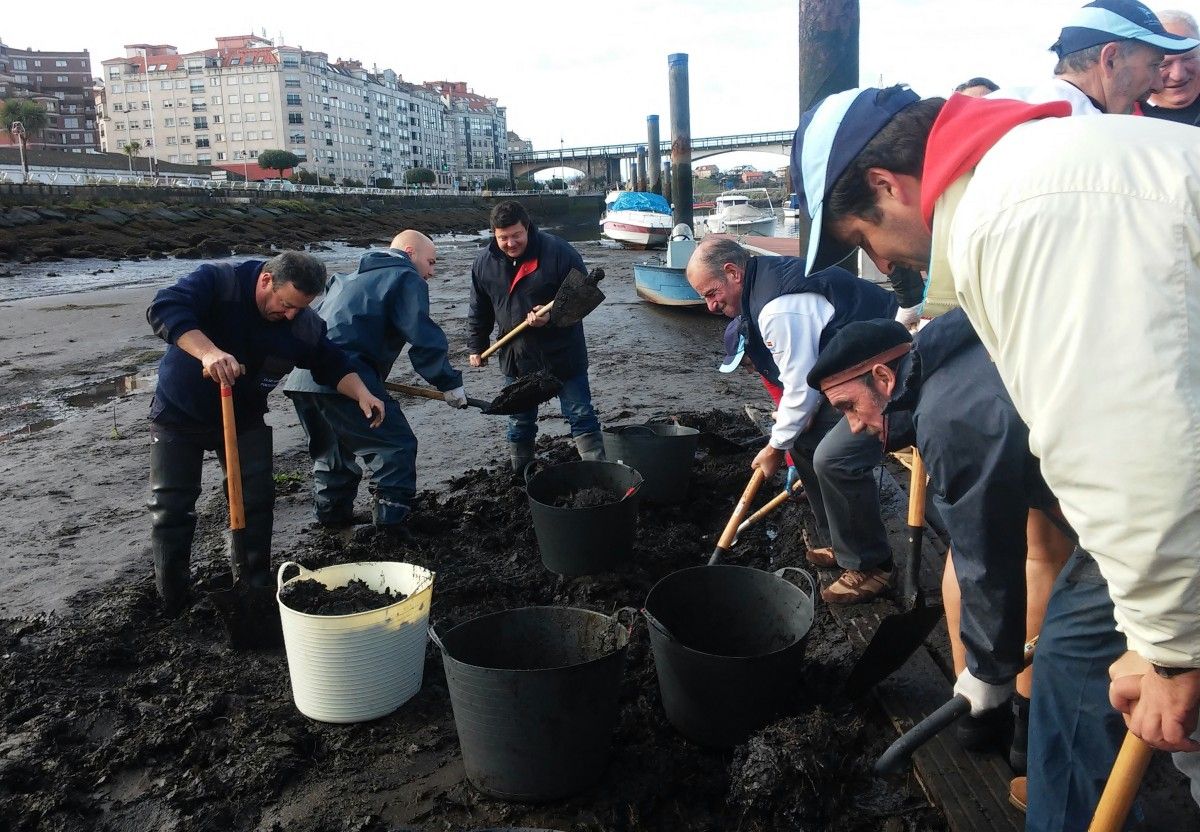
pixel 528 267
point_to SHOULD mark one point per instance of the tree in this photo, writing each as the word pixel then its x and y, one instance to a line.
pixel 23 118
pixel 383 182
pixel 279 160
pixel 496 183
pixel 420 176
pixel 131 149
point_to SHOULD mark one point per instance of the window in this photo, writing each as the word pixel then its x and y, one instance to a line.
pixel 216 119
pixel 263 78
pixel 216 99
pixel 170 122
pixel 61 79
pixel 237 137
pixel 293 99
pixel 61 64
pixel 200 123
pixel 252 136
pixel 113 71
pixel 117 106
pixel 120 125
pixel 264 116
pixel 251 116
pixel 22 79
pixel 145 105
pixel 236 118
pixel 219 137
pixel 214 81
pixel 295 118
pixel 221 157
pixel 231 81
pixel 180 83
pixel 173 158
pixel 117 89
pixel 170 140
pixel 201 142
pixel 264 96
pixel 292 83
pixel 166 85
pixel 203 159
pixel 185 139
pixel 148 124
pixel 248 99
pixel 21 63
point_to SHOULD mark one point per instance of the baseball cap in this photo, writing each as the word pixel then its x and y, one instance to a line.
pixel 735 346
pixel 830 135
pixel 1105 21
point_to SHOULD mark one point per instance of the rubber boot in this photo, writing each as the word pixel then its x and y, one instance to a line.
pixel 1018 752
pixel 174 488
pixel 258 501
pixel 590 446
pixel 520 454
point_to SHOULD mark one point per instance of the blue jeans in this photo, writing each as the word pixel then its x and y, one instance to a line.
pixel 575 401
pixel 338 435
pixel 1074 732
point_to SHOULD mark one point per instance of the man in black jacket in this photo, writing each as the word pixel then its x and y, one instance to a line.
pixel 511 280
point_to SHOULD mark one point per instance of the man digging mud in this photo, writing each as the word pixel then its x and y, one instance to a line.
pixel 517 274
pixel 226 322
pixel 372 314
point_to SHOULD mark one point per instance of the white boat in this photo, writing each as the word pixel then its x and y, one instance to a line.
pixel 791 208
pixel 735 214
pixel 636 219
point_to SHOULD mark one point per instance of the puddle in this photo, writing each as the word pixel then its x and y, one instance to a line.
pixel 35 415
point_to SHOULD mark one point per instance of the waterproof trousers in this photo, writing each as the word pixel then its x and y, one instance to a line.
pixel 837 468
pixel 338 437
pixel 575 402
pixel 176 460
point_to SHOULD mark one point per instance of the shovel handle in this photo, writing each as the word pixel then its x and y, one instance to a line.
pixel 233 464
pixel 739 511
pixel 917 488
pixel 512 333
pixel 1122 786
pixel 900 752
pixel 413 390
pixel 776 501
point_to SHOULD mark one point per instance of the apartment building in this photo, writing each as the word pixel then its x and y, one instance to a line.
pixel 226 105
pixel 62 83
pixel 477 131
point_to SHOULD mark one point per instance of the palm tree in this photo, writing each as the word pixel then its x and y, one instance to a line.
pixel 23 118
pixel 131 149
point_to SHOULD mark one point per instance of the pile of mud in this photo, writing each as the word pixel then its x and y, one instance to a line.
pixel 590 497
pixel 314 598
pixel 116 717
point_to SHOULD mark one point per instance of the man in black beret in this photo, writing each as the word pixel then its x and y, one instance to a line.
pixel 983 479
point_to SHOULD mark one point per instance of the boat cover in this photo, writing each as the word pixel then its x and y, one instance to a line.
pixel 640 201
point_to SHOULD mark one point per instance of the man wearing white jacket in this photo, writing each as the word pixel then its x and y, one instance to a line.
pixel 1078 263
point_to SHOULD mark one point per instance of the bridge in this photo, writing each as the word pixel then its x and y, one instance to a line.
pixel 604 161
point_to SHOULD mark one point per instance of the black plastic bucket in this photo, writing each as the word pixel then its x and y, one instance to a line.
pixel 727 646
pixel 663 454
pixel 534 692
pixel 584 541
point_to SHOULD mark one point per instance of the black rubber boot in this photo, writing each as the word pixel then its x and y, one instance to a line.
pixel 174 488
pixel 520 454
pixel 590 446
pixel 1019 750
pixel 258 501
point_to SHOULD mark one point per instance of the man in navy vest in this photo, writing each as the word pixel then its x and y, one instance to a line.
pixel 788 319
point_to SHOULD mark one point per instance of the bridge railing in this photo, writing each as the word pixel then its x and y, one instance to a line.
pixel 599 151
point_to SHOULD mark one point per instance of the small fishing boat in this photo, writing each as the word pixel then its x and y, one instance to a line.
pixel 636 219
pixel 791 208
pixel 665 282
pixel 735 214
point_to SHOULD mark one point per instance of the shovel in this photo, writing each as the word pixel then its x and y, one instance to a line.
pixel 523 394
pixel 900 634
pixel 775 502
pixel 739 511
pixel 250 613
pixel 576 297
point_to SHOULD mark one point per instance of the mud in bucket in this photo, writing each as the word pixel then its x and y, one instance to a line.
pixel 727 644
pixel 662 454
pixel 534 692
pixel 361 666
pixel 584 541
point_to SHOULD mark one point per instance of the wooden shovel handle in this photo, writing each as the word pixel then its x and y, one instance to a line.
pixel 776 501
pixel 1122 786
pixel 739 510
pixel 411 390
pixel 918 484
pixel 513 333
pixel 233 464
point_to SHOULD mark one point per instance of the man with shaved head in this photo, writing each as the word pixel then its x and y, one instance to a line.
pixel 372 315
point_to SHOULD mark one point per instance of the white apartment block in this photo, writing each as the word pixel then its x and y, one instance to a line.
pixel 224 106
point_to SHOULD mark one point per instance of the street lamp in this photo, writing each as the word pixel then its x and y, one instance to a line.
pixel 150 161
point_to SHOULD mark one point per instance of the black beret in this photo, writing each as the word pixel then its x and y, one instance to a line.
pixel 856 347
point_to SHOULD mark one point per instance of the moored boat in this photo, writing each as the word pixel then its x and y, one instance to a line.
pixel 735 214
pixel 636 219
pixel 665 282
pixel 791 208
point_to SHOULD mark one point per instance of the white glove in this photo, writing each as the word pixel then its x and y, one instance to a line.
pixel 983 696
pixel 910 316
pixel 456 398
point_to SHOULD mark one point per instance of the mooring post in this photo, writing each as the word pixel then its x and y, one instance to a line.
pixel 681 138
pixel 654 153
pixel 666 180
pixel 641 166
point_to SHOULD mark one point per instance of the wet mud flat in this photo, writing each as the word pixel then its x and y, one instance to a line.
pixel 115 717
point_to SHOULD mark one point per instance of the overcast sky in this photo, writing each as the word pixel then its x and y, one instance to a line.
pixel 590 73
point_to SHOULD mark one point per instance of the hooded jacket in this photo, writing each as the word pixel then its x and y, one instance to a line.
pixel 372 314
pixel 504 290
pixel 983 480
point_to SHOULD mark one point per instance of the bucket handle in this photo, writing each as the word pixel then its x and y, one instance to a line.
pixel 525 471
pixel 433 636
pixel 812 589
pixel 658 625
pixel 280 580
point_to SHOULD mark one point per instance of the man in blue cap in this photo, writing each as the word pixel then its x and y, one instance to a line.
pixel 1037 225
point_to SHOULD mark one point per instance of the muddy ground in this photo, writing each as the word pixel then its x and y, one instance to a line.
pixel 115 717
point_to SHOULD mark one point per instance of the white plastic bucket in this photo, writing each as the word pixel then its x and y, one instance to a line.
pixel 361 666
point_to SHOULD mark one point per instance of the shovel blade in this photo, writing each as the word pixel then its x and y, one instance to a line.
pixel 898 637
pixel 577 296
pixel 524 394
pixel 250 615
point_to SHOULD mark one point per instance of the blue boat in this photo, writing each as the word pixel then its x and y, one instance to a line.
pixel 665 283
